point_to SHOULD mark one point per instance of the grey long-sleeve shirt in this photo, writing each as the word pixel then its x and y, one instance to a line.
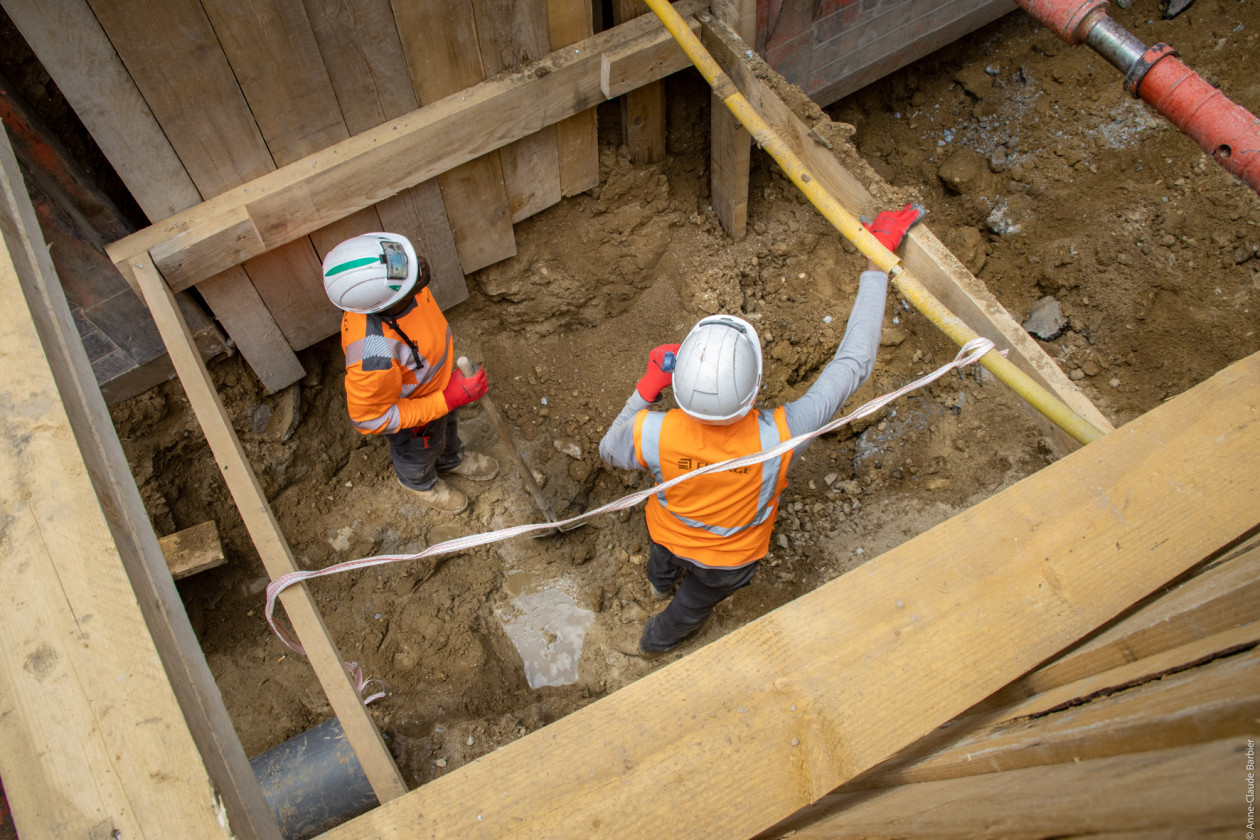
pixel 844 374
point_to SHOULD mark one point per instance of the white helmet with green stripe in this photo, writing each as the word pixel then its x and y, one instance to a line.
pixel 372 272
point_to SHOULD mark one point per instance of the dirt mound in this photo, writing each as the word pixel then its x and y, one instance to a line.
pixel 1038 171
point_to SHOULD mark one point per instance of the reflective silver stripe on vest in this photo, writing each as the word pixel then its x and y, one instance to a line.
pixel 388 422
pixel 767 429
pixel 376 352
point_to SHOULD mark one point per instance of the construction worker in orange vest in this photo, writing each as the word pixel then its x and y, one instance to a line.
pixel 712 530
pixel 400 376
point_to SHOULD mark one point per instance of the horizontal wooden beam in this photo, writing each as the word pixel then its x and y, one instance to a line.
pixel 782 711
pixel 344 178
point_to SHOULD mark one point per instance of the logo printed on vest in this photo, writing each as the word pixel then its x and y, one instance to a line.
pixel 689 464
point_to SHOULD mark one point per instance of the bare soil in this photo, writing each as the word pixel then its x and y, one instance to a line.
pixel 1041 174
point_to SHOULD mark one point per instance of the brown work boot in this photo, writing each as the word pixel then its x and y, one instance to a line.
pixel 476 467
pixel 442 497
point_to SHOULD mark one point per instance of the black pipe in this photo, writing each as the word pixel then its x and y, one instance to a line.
pixel 313 781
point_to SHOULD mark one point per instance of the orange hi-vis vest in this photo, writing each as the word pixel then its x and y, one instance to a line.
pixel 722 519
pixel 388 388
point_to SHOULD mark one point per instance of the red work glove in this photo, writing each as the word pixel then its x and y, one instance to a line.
pixel 462 390
pixel 891 225
pixel 657 377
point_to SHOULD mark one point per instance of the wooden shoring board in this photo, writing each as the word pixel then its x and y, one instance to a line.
pixel 577 137
pixel 1182 791
pixel 172 57
pixel 67 38
pixel 643 107
pixel 272 51
pixel 235 301
pixel 1201 691
pixel 268 539
pixel 1215 611
pixel 1219 598
pixel 730 144
pixel 322 188
pixel 922 253
pixel 364 58
pixel 439 40
pixel 780 712
pixel 110 719
pixel 511 33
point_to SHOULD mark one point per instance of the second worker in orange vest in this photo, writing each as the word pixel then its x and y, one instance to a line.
pixel 712 530
pixel 400 376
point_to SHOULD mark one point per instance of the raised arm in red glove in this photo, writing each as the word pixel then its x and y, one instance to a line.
pixel 890 226
pixel 462 390
pixel 660 372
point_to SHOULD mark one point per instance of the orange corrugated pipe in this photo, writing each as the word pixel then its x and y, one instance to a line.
pixel 1228 132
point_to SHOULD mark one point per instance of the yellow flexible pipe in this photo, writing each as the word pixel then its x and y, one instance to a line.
pixel 914 291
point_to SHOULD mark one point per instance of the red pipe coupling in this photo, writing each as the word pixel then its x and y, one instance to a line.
pixel 1071 20
pixel 1225 130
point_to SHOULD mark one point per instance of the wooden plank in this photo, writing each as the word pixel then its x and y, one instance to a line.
pixel 848 61
pixel 443 56
pixel 1198 692
pixel 643 108
pixel 68 38
pixel 730 146
pixel 273 53
pixel 511 33
pixel 275 60
pixel 364 58
pixel 1218 599
pixel 267 537
pixel 785 709
pixel 1183 790
pixel 95 741
pixel 192 550
pixel 568 22
pixel 318 190
pixel 922 253
pixel 236 303
pixel 173 56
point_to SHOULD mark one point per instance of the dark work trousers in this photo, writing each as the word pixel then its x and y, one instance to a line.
pixel 701 590
pixel 419 454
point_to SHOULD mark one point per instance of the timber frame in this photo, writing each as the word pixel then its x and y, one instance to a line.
pixel 783 712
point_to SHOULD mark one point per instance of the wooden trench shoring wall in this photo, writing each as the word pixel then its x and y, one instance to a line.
pixel 774 717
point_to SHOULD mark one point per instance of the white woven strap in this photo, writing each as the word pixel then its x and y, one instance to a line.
pixel 970 352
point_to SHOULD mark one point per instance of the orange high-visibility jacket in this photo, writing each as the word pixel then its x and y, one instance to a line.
pixel 387 388
pixel 723 519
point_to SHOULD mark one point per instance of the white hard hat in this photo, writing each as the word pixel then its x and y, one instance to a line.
pixel 718 370
pixel 372 272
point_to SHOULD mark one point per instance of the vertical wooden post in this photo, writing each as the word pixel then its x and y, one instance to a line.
pixel 730 144
pixel 642 109
pixel 265 532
